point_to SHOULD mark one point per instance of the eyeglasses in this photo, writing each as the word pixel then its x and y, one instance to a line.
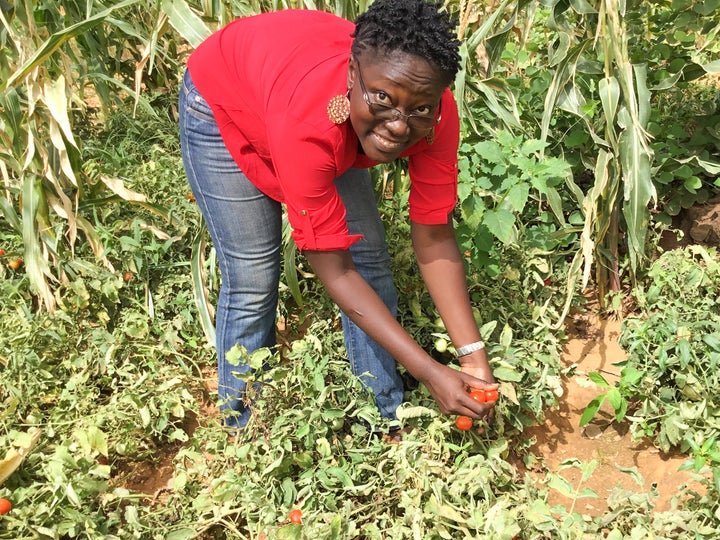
pixel 387 112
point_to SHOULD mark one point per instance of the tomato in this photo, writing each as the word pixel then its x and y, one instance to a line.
pixel 464 423
pixel 190 197
pixel 127 276
pixel 2 252
pixel 484 396
pixel 5 506
pixel 15 263
pixel 295 516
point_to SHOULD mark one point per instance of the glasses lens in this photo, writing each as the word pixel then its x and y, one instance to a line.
pixel 385 112
pixel 382 111
pixel 421 122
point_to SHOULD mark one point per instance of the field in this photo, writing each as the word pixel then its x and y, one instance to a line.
pixel 589 221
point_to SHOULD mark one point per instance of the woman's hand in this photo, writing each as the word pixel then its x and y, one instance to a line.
pixel 450 389
pixel 476 364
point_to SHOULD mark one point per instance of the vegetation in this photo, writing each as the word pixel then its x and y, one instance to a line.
pixel 587 126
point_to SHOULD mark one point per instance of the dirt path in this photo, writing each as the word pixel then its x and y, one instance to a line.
pixel 593 346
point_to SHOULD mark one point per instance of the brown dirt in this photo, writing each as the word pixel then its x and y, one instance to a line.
pixel 698 224
pixel 593 347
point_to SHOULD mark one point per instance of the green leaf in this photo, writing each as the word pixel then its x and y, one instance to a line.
pixel 293 531
pixel 583 7
pixel 186 22
pixel 598 379
pixel 518 196
pixel 609 90
pixel 501 223
pixel 630 376
pixel 180 534
pixel 712 67
pixel 200 291
pixel 712 341
pixel 507 373
pixel 592 409
pixel 55 41
pixel 561 485
pixel 618 402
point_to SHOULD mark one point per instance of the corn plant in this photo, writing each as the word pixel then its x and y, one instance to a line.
pixel 601 78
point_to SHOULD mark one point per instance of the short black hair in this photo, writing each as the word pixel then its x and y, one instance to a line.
pixel 415 27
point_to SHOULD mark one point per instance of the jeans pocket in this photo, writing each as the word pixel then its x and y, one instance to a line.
pixel 195 104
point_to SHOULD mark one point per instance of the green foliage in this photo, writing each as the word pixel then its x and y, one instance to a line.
pixel 502 184
pixel 116 376
pixel 668 384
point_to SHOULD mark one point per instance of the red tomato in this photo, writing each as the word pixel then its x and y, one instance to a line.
pixel 5 506
pixel 295 516
pixel 15 263
pixel 464 423
pixel 484 396
pixel 2 252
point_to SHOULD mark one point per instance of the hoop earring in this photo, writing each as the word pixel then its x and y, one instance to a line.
pixel 430 137
pixel 338 109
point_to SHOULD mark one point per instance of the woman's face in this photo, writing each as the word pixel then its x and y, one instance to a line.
pixel 398 81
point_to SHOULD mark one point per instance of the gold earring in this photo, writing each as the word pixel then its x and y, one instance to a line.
pixel 430 137
pixel 338 109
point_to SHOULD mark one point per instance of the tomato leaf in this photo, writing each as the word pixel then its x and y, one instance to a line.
pixel 591 410
pixel 598 379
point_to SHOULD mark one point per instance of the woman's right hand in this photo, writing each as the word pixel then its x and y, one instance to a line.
pixel 449 387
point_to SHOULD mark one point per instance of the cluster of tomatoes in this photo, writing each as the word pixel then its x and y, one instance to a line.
pixel 15 264
pixel 464 423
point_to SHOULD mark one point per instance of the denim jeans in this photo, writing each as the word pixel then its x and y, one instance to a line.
pixel 246 229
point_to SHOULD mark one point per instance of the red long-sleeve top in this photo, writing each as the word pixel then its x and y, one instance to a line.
pixel 268 79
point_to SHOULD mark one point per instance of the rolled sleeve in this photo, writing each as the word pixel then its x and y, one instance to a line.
pixel 306 169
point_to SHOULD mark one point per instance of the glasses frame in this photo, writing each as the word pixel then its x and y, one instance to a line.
pixel 380 110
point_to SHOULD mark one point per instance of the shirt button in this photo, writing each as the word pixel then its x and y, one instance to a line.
pixel 304 212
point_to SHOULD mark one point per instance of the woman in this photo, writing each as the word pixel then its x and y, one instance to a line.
pixel 292 107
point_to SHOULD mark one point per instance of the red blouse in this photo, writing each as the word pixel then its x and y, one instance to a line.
pixel 268 79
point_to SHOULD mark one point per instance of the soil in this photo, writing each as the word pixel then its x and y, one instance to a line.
pixel 592 346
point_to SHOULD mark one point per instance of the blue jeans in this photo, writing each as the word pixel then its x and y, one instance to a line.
pixel 246 229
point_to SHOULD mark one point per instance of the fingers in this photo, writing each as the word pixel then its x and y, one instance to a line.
pixel 476 408
pixel 481 399
pixel 477 383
